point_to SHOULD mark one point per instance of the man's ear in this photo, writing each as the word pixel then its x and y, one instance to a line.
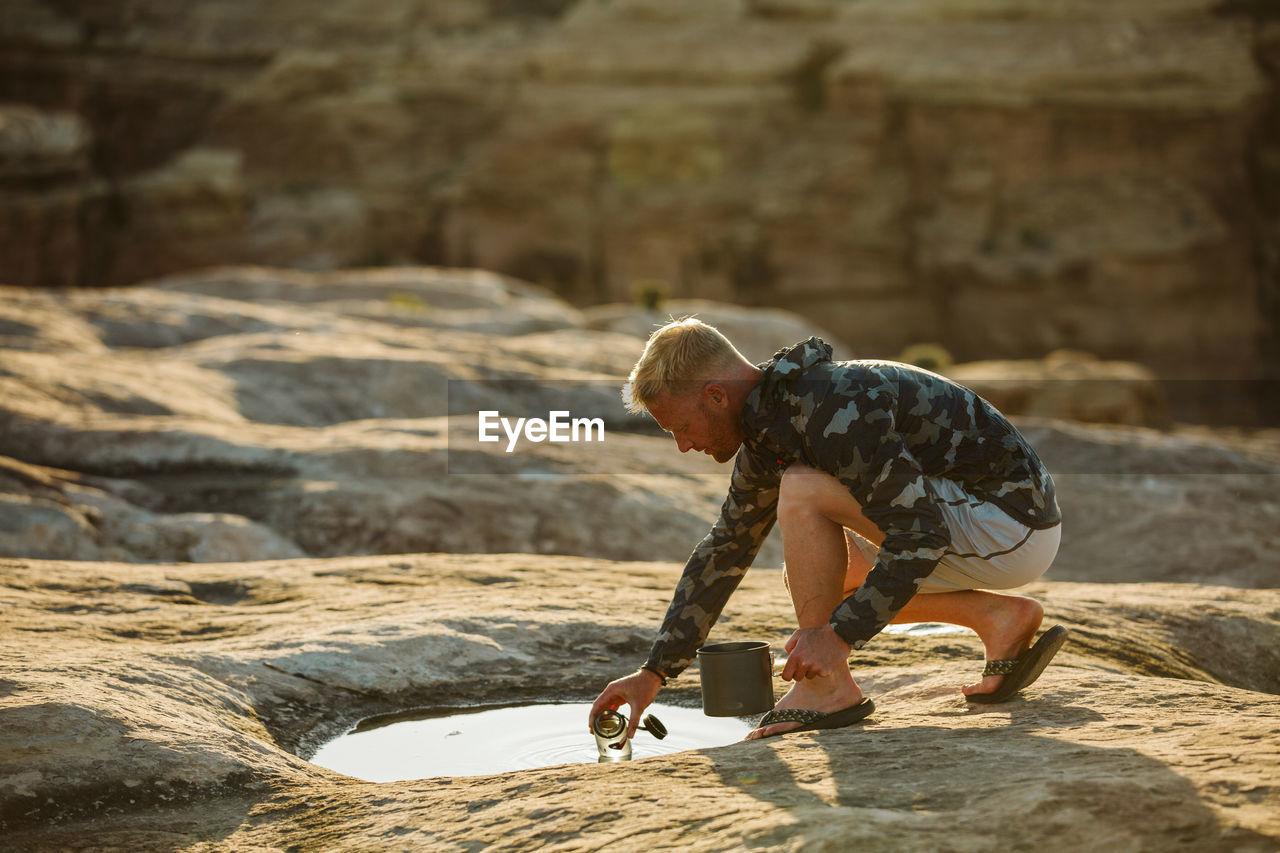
pixel 715 394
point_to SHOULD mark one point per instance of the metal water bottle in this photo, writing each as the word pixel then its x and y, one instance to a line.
pixel 610 729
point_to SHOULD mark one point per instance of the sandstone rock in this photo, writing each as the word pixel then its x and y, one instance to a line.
pixel 264 414
pixel 1069 385
pixel 49 197
pixel 185 213
pixel 758 333
pixel 53 514
pixel 327 414
pixel 171 706
pixel 36 145
pixel 1134 500
pixel 262 419
pixel 1006 179
pixel 40 321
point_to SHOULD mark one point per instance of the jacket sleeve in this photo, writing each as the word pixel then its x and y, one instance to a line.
pixel 717 564
pixel 856 439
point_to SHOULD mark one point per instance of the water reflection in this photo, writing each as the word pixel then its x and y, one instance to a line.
pixel 926 629
pixel 420 745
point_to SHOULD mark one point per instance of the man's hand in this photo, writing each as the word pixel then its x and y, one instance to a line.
pixel 637 690
pixel 815 653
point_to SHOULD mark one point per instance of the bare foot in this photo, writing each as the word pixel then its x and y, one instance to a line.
pixel 1014 620
pixel 827 694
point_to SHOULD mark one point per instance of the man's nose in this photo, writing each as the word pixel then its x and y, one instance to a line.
pixel 684 444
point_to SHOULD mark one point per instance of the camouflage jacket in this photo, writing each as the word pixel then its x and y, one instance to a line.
pixel 880 428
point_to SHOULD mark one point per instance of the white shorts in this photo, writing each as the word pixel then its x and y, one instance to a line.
pixel 989 549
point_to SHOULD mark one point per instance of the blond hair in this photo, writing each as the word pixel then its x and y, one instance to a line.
pixel 682 351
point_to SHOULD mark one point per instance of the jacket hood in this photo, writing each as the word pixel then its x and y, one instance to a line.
pixel 787 364
pixel 798 358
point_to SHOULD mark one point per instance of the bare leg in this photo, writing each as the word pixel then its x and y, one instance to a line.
pixel 1006 623
pixel 814 512
pixel 817 558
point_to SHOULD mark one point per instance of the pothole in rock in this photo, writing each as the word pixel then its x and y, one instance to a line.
pixel 421 744
pixel 219 592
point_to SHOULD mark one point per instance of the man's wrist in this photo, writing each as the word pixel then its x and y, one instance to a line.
pixel 654 672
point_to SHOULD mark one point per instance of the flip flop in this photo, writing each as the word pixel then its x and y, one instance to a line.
pixel 1021 671
pixel 817 719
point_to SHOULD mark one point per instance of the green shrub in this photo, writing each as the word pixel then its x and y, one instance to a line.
pixel 408 302
pixel 930 356
pixel 649 294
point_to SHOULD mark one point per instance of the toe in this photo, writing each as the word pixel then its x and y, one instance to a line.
pixel 989 684
pixel 770 731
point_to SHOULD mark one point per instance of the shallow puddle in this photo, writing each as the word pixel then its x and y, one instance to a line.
pixel 926 629
pixel 422 744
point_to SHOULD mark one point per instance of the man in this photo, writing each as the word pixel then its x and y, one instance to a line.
pixel 901 497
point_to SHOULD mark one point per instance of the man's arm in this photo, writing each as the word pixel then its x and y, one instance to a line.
pixel 717 564
pixel 712 573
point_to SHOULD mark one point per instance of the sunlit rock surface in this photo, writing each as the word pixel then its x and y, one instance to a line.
pixel 167 707
pixel 223 498
pixel 253 413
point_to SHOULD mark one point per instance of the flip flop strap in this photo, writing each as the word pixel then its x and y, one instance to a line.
pixel 791 715
pixel 999 667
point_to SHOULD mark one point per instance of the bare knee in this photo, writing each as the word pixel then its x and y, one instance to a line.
pixel 805 492
pixel 802 489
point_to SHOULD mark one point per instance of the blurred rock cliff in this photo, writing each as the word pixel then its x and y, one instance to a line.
pixel 1007 178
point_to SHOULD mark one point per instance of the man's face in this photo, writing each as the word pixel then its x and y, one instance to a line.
pixel 700 420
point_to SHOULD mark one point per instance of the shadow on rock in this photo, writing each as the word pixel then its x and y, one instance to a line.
pixel 1020 785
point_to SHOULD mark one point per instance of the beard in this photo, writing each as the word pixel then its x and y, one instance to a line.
pixel 724 454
